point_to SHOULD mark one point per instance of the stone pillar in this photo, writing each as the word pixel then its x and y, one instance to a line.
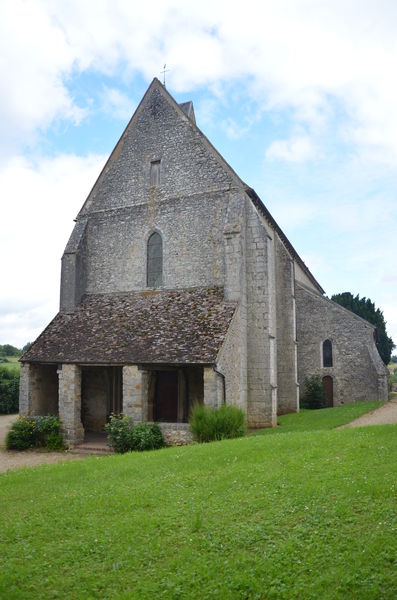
pixel 210 387
pixel 70 404
pixel 25 398
pixel 135 393
pixel 233 259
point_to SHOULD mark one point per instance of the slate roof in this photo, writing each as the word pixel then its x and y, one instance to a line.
pixel 153 326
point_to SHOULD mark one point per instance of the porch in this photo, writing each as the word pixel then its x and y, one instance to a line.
pixel 84 396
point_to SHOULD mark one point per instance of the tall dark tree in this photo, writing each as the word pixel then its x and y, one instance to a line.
pixel 365 308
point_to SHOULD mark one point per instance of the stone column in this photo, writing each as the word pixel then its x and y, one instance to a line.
pixel 210 387
pixel 25 399
pixel 70 404
pixel 135 393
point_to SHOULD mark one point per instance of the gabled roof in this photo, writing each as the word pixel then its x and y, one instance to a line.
pixel 160 327
pixel 186 111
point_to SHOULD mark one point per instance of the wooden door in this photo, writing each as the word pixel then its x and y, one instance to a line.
pixel 328 386
pixel 166 399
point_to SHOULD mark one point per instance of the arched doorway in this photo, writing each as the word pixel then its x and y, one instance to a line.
pixel 328 386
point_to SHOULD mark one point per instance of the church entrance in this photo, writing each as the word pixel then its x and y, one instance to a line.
pixel 328 386
pixel 166 397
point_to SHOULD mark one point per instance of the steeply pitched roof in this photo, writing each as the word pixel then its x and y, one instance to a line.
pixel 185 109
pixel 163 327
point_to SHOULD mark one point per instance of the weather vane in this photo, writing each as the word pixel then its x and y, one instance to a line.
pixel 164 71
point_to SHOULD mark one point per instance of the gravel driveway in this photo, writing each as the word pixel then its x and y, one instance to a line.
pixel 32 458
pixel 385 415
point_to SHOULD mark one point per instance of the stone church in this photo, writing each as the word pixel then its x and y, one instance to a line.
pixel 179 287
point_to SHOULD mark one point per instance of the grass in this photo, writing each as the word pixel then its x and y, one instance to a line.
pixel 326 418
pixel 311 514
pixel 12 363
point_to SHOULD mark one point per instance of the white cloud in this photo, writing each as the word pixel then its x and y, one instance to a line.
pixel 320 63
pixel 42 199
pixel 296 149
pixel 117 104
pixel 312 57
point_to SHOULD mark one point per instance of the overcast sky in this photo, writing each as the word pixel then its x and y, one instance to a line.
pixel 300 97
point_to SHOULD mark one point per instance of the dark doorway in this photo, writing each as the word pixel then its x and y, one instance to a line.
pixel 166 397
pixel 328 386
pixel 101 395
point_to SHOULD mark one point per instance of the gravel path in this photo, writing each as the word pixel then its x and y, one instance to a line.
pixel 15 460
pixel 385 415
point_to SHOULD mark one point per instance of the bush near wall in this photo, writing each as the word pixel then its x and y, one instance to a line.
pixel 35 432
pixel 313 394
pixel 124 437
pixel 9 390
pixel 209 424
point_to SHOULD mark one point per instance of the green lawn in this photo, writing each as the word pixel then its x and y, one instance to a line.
pixel 327 418
pixel 310 514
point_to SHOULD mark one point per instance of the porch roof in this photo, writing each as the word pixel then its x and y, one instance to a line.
pixel 153 326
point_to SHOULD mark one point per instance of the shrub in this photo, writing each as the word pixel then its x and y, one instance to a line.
pixel 48 432
pixel 314 395
pixel 209 424
pixel 124 437
pixel 21 434
pixel 119 430
pixel 147 436
pixel 230 422
pixel 35 432
pixel 9 390
pixel 203 423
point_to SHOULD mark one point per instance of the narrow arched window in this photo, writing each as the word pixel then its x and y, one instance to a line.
pixel 155 260
pixel 327 353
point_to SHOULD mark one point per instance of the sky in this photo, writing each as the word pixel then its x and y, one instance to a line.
pixel 299 96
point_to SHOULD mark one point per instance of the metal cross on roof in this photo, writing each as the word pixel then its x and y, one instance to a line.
pixel 163 72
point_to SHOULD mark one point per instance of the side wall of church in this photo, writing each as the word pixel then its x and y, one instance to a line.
pixel 287 369
pixel 358 372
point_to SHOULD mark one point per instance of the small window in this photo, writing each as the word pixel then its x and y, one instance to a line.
pixel 155 173
pixel 155 260
pixel 327 353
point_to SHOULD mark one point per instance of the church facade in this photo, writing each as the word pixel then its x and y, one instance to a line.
pixel 179 287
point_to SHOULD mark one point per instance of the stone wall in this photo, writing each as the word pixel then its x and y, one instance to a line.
pixel 261 323
pixel 287 369
pixel 358 372
pixel 192 234
pixel 159 130
pixel 38 390
pixel 70 404
pixel 231 363
pixel 196 195
pixel 176 434
pixel 135 393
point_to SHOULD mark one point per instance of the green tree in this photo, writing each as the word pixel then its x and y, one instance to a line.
pixel 8 350
pixel 365 308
